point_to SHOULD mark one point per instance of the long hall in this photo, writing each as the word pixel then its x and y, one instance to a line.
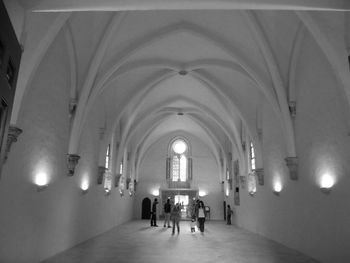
pixel 108 105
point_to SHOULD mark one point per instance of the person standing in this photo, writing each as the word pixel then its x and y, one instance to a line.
pixel 154 213
pixel 229 214
pixel 201 215
pixel 167 211
pixel 175 217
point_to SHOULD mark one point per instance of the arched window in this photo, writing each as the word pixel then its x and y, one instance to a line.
pixel 121 167
pixel 252 157
pixel 179 161
pixel 108 156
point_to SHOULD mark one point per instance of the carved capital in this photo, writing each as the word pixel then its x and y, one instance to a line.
pixel 292 108
pixel 100 172
pixel 12 136
pixel 260 174
pixel 292 163
pixel 72 106
pixel 72 161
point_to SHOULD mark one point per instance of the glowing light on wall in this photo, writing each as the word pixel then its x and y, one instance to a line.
pixel 202 193
pixel 327 182
pixel 277 187
pixel 84 186
pixel 155 192
pixel 41 180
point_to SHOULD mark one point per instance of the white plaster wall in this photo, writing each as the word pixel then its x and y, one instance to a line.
pixel 205 175
pixel 303 217
pixel 36 225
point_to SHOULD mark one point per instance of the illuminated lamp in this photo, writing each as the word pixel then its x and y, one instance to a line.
pixel 155 192
pixel 84 187
pixel 327 183
pixel 277 188
pixel 202 193
pixel 41 182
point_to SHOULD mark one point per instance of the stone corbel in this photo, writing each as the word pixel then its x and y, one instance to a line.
pixel 100 172
pixel 292 108
pixel 72 161
pixel 12 136
pixel 260 174
pixel 243 146
pixel 72 106
pixel 292 163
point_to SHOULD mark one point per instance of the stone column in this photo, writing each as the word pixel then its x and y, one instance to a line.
pixel 292 163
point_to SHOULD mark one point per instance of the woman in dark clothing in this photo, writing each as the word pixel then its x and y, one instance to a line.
pixel 201 215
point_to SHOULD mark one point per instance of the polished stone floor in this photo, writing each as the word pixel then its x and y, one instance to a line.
pixel 136 241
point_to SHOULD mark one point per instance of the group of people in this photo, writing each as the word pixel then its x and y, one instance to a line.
pixel 172 212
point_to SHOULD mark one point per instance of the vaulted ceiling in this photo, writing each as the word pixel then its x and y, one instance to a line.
pixel 164 67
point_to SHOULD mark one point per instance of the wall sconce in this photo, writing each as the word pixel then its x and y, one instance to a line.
pixel 41 182
pixel 327 183
pixel 107 191
pixel 84 187
pixel 277 188
pixel 252 193
pixel 202 193
pixel 276 193
pixel 227 192
pixel 40 188
pixel 155 192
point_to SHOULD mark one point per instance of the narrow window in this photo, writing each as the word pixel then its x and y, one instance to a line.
pixel 121 167
pixel 108 156
pixel 252 157
pixel 179 161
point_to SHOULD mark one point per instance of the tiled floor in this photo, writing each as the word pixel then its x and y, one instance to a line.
pixel 136 241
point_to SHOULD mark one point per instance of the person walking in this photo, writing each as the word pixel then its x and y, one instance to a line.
pixel 167 211
pixel 175 217
pixel 154 213
pixel 229 214
pixel 201 215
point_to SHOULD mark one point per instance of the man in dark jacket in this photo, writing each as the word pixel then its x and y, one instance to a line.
pixel 154 213
pixel 167 210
